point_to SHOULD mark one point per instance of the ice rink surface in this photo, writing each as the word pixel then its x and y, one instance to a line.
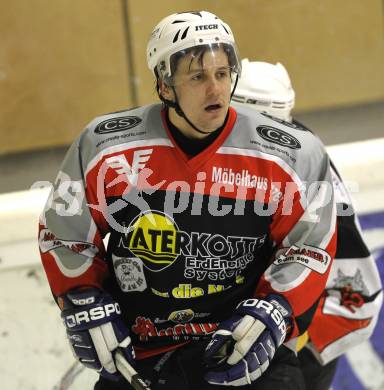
pixel 33 350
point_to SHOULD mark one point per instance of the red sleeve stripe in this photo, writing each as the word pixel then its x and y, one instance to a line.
pixel 93 274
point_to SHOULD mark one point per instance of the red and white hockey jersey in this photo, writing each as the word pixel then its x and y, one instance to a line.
pixel 189 238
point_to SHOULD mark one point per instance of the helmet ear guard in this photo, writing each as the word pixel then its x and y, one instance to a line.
pixel 266 88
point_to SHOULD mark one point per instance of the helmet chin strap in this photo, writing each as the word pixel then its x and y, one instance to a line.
pixel 176 106
pixel 180 112
pixel 235 85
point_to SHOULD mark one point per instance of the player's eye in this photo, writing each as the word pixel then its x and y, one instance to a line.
pixel 222 74
pixel 197 77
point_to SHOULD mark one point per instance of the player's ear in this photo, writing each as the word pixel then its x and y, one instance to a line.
pixel 166 91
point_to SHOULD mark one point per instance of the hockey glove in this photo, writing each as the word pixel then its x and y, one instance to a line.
pixel 95 330
pixel 244 345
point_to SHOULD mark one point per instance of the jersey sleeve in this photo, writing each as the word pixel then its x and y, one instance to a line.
pixel 349 308
pixel 70 232
pixel 304 234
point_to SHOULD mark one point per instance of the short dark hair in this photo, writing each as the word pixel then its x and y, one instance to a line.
pixel 199 52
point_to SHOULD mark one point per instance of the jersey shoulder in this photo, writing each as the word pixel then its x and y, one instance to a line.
pixel 290 143
pixel 122 129
pixel 124 126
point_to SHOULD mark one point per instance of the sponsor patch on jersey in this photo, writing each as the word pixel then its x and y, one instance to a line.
pixel 278 136
pixel 239 178
pixel 129 273
pixel 352 289
pixel 117 124
pixel 181 316
pixel 122 167
pixel 155 238
pixel 160 293
pixel 314 258
pixel 48 241
pixel 187 291
pixel 152 238
pixel 145 328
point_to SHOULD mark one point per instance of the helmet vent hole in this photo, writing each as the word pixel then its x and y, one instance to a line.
pixel 278 104
pixel 184 33
pixel 176 36
pixel 225 29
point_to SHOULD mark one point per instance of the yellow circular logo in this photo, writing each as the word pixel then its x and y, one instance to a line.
pixel 153 239
pixel 181 316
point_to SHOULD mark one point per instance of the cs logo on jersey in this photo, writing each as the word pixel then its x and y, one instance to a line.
pixel 112 125
pixel 278 136
pixel 152 238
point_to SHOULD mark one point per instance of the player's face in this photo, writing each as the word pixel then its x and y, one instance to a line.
pixel 203 88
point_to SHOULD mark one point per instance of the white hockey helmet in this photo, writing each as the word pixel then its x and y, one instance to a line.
pixel 179 32
pixel 267 88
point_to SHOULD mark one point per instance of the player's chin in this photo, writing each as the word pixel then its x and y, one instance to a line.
pixel 213 122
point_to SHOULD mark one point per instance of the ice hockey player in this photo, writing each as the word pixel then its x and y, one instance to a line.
pixel 221 226
pixel 349 307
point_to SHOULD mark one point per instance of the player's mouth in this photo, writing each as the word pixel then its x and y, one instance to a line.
pixel 213 108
